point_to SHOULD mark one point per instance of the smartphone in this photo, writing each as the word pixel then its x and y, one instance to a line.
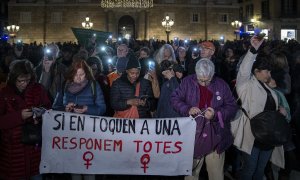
pixel 260 36
pixel 48 53
pixel 38 111
pixel 151 66
pixel 78 107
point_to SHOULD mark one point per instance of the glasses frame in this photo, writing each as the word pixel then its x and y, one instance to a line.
pixel 23 81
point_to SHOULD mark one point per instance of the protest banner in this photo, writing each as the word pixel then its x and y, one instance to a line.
pixel 86 144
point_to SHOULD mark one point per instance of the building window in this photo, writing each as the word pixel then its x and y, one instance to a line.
pixel 170 1
pixel 265 13
pixel 195 1
pixel 56 17
pixel 25 17
pixel 223 19
pixel 249 11
pixel 289 8
pixel 241 13
pixel 195 18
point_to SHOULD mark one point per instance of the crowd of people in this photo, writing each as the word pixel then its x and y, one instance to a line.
pixel 156 79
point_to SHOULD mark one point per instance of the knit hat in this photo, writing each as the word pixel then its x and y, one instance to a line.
pixel 121 64
pixel 208 45
pixel 133 62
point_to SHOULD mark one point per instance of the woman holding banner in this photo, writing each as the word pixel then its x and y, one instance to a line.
pixel 83 95
pixel 209 100
pixel 21 94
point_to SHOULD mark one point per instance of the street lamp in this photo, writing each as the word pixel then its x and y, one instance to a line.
pixel 167 23
pixel 236 24
pixel 87 24
pixel 12 30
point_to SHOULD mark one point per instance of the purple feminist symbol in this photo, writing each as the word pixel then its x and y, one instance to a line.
pixel 87 157
pixel 145 159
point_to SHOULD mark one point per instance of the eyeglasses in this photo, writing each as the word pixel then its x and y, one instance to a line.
pixel 23 81
pixel 205 82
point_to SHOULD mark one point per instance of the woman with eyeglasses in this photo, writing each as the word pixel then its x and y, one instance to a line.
pixel 21 94
pixel 208 99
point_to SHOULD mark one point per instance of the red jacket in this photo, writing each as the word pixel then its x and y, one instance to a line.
pixel 16 159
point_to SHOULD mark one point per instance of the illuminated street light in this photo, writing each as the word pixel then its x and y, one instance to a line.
pixel 167 23
pixel 87 24
pixel 236 24
pixel 12 31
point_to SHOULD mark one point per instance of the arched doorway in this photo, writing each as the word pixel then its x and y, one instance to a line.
pixel 126 27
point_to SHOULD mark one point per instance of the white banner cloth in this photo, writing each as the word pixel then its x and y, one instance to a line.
pixel 85 144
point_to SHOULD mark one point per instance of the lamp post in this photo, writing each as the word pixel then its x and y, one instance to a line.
pixel 236 24
pixel 12 30
pixel 167 23
pixel 87 24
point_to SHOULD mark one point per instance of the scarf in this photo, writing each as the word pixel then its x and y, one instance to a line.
pixel 76 87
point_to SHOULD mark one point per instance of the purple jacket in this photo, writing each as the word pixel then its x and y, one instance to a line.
pixel 214 134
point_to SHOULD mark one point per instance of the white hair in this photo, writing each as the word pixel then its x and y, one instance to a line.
pixel 160 55
pixel 205 68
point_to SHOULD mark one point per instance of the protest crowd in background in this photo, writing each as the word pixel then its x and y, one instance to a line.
pixel 153 79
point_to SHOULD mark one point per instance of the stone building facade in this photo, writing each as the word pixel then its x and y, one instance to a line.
pixel 51 20
pixel 281 18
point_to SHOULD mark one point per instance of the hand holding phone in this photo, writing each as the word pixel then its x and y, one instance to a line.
pixel 80 109
pixel 78 106
pixel 38 111
pixel 260 36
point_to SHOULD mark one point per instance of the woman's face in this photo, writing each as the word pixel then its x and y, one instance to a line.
pixel 229 52
pixel 204 81
pixel 263 75
pixel 94 69
pixel 79 76
pixel 143 54
pixel 167 53
pixel 133 74
pixel 22 82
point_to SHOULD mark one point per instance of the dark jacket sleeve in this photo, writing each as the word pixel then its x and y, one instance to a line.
pixel 150 103
pixel 11 119
pixel 99 106
pixel 178 99
pixel 117 103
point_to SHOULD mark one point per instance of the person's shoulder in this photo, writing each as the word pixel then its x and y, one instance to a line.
pixel 6 90
pixel 37 86
pixel 189 78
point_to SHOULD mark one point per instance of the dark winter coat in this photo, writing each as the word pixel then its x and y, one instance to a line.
pixel 91 96
pixel 187 95
pixel 164 107
pixel 122 90
pixel 18 161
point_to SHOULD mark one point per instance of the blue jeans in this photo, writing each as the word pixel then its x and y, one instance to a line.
pixel 254 164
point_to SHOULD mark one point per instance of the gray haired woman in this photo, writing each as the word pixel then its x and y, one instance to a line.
pixel 166 52
pixel 209 100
